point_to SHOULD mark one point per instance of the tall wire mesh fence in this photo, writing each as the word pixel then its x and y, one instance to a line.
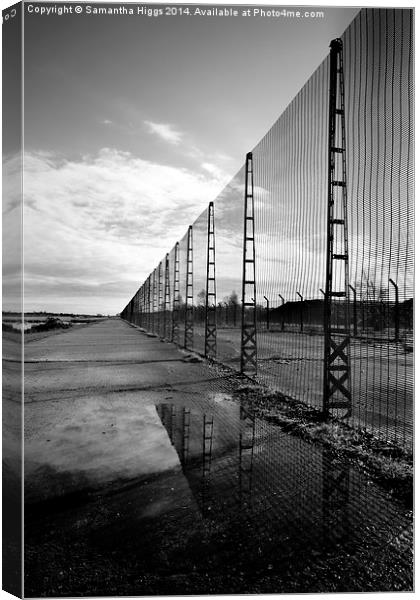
pixel 295 307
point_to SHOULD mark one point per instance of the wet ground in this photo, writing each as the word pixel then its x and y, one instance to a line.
pixel 292 363
pixel 144 476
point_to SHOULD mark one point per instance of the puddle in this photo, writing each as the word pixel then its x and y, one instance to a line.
pixel 89 446
pixel 274 504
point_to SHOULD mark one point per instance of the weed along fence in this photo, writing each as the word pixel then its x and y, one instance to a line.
pixel 300 273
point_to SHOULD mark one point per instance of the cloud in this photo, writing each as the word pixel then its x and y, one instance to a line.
pixel 223 157
pixel 103 219
pixel 215 171
pixel 12 183
pixel 107 122
pixel 165 131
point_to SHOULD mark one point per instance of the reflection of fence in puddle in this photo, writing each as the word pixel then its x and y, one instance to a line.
pixel 208 423
pixel 335 501
pixel 177 421
pixel 246 455
pixel 179 433
pixel 279 498
pixel 234 472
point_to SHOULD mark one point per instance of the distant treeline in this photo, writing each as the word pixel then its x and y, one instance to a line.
pixel 368 314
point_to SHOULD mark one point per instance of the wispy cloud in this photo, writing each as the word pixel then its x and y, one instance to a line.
pixel 165 131
pixel 103 219
pixel 12 183
pixel 214 170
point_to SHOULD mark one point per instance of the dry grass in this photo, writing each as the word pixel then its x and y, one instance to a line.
pixel 386 463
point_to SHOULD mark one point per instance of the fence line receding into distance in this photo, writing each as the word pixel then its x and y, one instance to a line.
pixel 311 243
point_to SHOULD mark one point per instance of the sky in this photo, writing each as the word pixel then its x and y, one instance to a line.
pixel 132 125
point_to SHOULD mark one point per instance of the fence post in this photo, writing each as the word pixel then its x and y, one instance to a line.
pixel 167 300
pixel 220 313
pixel 210 319
pixel 301 311
pixel 189 297
pixel 397 312
pixel 337 389
pixel 267 312
pixel 248 321
pixel 145 309
pixel 145 317
pixel 354 311
pixel 140 306
pixel 160 300
pixel 282 316
pixel 175 300
pixel 137 308
pixel 149 303
pixel 155 301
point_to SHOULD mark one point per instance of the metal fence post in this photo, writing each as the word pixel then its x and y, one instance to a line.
pixel 210 319
pixel 267 312
pixel 397 312
pixel 189 297
pixel 137 308
pixel 248 321
pixel 149 304
pixel 145 304
pixel 301 311
pixel 282 315
pixel 337 388
pixel 160 300
pixel 155 301
pixel 354 311
pixel 175 299
pixel 167 300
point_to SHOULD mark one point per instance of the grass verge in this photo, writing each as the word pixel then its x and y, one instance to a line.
pixel 387 464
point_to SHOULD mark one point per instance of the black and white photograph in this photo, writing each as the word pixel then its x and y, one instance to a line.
pixel 207 301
